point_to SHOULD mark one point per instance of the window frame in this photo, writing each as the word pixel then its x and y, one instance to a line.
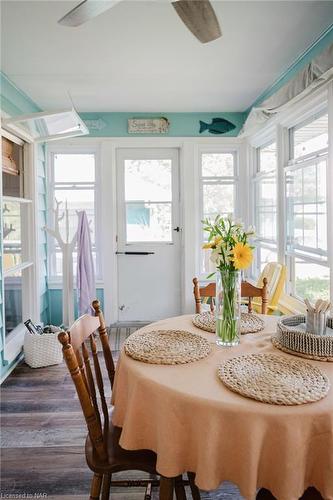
pixel 315 256
pixel 313 105
pixel 298 125
pixel 222 180
pixel 54 280
pixel 257 177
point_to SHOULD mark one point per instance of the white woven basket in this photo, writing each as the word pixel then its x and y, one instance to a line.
pixel 42 350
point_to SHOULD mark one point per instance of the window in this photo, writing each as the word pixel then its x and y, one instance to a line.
pixel 218 190
pixel 148 200
pixel 265 189
pixel 73 187
pixel 17 244
pixel 306 195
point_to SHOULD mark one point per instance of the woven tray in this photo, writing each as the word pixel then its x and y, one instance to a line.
pixel 291 337
pixel 250 323
pixel 273 379
pixel 166 347
pixel 276 343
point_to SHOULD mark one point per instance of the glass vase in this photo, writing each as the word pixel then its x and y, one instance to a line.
pixel 227 310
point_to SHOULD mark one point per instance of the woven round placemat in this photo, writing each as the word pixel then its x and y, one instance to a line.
pixel 273 379
pixel 166 347
pixel 276 343
pixel 250 323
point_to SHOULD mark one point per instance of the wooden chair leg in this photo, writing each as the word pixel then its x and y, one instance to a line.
pixel 179 488
pixel 194 489
pixel 148 491
pixel 106 487
pixel 166 488
pixel 96 485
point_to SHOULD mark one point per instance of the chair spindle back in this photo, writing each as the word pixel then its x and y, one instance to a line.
pixel 247 290
pixel 87 377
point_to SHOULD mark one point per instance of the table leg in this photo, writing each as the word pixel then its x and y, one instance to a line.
pixel 194 489
pixel 166 488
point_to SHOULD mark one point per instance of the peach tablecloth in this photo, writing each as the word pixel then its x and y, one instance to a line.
pixel 194 423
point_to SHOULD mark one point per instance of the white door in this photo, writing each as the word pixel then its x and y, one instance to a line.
pixel 149 234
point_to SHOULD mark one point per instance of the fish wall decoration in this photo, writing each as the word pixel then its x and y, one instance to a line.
pixel 218 126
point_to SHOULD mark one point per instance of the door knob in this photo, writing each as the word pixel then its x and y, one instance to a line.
pixel 177 229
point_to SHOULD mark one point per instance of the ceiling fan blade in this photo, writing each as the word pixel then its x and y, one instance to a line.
pixel 85 11
pixel 200 18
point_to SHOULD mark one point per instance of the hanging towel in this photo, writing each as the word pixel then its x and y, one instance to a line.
pixel 86 287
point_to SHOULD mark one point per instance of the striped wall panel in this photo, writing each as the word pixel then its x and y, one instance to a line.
pixel 42 250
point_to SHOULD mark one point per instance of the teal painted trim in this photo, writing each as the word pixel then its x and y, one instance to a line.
pixel 13 100
pixel 181 124
pixel 55 304
pixel 324 40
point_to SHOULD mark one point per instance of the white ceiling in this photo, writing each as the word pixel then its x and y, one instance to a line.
pixel 139 56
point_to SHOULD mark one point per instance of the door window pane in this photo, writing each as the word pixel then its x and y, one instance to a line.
pixel 148 200
pixel 148 180
pixel 218 165
pixel 149 222
pixel 311 137
pixel 311 280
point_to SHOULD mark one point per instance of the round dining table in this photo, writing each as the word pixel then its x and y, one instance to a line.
pixel 194 423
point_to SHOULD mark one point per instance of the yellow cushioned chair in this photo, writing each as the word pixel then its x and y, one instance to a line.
pixel 276 277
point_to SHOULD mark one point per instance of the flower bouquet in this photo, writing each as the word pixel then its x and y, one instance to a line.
pixel 230 253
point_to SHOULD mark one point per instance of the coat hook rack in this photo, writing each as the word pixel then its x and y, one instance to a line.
pixel 67 247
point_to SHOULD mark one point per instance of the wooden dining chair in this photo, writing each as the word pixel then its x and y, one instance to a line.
pixel 104 455
pixel 247 290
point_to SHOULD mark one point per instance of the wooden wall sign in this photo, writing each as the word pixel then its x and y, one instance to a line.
pixel 148 125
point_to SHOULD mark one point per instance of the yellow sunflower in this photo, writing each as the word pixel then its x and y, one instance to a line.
pixel 242 256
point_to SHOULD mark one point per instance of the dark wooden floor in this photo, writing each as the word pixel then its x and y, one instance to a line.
pixel 42 439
